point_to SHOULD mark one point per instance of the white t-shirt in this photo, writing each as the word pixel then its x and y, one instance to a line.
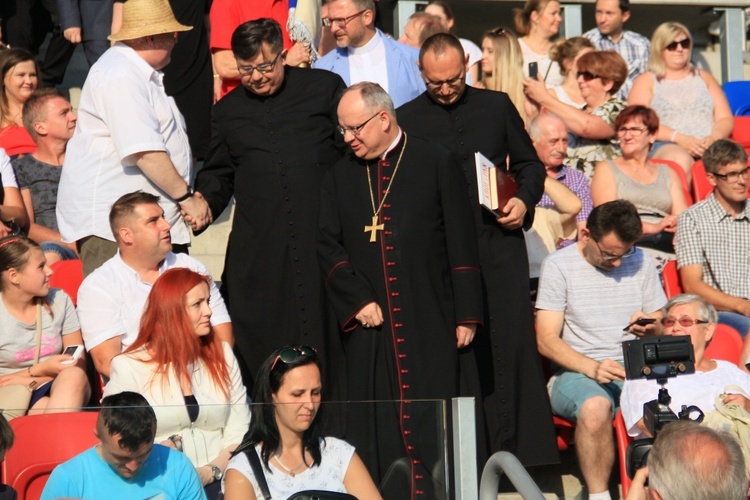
pixel 699 389
pixel 18 339
pixel 7 174
pixel 548 68
pixel 124 111
pixel 112 298
pixel 329 475
pixel 598 304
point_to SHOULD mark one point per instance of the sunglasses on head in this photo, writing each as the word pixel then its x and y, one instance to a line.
pixel 291 354
pixel 587 76
pixel 685 44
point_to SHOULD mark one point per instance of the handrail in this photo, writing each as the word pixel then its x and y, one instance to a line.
pixel 505 462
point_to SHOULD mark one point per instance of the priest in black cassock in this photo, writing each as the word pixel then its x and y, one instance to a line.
pixel 398 251
pixel 272 140
pixel 467 120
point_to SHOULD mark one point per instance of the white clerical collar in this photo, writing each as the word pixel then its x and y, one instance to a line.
pixel 393 144
pixel 373 44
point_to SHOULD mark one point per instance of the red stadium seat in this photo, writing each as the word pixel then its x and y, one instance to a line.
pixel 725 345
pixel 68 275
pixel 42 442
pixel 623 440
pixel 671 279
pixel 701 187
pixel 741 131
pixel 681 174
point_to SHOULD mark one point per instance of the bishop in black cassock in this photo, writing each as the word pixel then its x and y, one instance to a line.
pixel 467 120
pixel 398 252
pixel 273 138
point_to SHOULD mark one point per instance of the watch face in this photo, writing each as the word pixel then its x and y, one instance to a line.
pixel 218 474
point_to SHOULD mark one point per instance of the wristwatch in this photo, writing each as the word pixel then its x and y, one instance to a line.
pixel 218 474
pixel 185 196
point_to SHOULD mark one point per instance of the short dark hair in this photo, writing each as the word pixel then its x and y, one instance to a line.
pixel 624 6
pixel 249 37
pixel 35 108
pixel 648 117
pixel 263 428
pixel 125 206
pixel 722 153
pixel 6 435
pixel 438 44
pixel 129 415
pixel 619 217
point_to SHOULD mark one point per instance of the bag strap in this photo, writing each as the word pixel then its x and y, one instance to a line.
pixel 38 337
pixel 260 475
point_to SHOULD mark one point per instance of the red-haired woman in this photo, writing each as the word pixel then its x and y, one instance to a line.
pixel 188 375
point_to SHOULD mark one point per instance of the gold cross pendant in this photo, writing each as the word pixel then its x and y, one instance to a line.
pixel 374 228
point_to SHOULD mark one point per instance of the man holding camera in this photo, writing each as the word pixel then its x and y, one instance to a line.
pixel 587 293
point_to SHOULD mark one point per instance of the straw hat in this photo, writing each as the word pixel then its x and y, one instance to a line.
pixel 146 18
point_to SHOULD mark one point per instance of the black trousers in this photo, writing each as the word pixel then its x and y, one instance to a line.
pixel 26 24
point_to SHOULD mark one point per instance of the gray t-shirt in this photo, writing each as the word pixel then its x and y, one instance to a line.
pixel 41 179
pixel 17 339
pixel 598 304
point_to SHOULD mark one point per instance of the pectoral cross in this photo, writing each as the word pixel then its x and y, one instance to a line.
pixel 375 227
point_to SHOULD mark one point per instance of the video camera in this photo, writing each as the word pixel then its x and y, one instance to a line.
pixel 657 358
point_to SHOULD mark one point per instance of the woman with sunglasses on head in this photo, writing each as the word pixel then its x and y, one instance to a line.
pixel 286 436
pixel 692 108
pixel 654 189
pixel 592 138
pixel 189 376
pixel 691 315
pixel 502 70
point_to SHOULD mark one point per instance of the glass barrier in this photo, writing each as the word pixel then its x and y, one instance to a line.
pixel 403 444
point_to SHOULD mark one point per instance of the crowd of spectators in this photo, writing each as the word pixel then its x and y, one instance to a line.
pixel 599 132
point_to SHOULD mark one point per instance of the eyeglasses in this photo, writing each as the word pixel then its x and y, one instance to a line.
pixel 611 257
pixel 341 21
pixel 634 131
pixel 685 322
pixel 685 44
pixel 355 131
pixel 732 177
pixel 261 68
pixel 587 76
pixel 453 82
pixel 291 354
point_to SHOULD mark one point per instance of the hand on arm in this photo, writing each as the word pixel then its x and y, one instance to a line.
pixel 370 316
pixel 73 34
pixel 465 334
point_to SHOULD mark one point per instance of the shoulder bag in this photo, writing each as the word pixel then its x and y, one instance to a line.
pixel 16 398
pixel 260 476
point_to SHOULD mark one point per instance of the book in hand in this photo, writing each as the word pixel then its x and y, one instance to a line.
pixel 494 185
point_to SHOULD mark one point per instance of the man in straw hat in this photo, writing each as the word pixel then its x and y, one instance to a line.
pixel 130 136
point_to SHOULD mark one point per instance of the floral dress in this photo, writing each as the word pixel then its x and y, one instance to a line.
pixel 584 154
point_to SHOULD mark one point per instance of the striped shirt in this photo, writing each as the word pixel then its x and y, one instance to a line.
pixel 634 48
pixel 710 236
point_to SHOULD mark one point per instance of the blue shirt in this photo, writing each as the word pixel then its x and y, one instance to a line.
pixel 166 474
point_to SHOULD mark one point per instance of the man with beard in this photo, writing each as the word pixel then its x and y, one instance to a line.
pixel 467 120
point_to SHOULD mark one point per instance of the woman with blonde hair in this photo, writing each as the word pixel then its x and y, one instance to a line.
pixel 693 110
pixel 537 24
pixel 566 53
pixel 189 376
pixel 502 69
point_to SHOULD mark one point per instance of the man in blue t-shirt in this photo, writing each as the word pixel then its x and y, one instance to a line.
pixel 126 463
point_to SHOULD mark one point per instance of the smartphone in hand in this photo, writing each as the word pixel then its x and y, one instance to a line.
pixel 533 70
pixel 640 322
pixel 75 351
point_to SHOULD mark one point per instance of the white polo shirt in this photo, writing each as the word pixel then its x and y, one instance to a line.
pixel 112 298
pixel 124 110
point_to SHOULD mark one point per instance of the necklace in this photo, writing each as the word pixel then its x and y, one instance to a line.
pixel 290 471
pixel 375 226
